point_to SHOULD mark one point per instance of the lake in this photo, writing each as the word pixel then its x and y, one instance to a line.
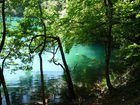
pixel 24 86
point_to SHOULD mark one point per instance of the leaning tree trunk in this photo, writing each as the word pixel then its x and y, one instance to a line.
pixel 67 72
pixel 109 39
pixel 4 26
pixel 2 79
pixel 65 68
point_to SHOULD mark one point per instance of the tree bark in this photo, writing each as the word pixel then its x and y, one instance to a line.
pixel 4 26
pixel 108 45
pixel 0 97
pixel 42 78
pixel 67 72
pixel 107 64
pixel 66 69
pixel 2 79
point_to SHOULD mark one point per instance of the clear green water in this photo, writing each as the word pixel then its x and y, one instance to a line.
pixel 24 87
pixel 85 63
pixel 79 54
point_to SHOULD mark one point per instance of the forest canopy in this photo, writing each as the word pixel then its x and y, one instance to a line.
pixel 109 30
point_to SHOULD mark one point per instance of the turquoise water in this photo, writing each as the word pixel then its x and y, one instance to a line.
pixel 27 87
pixel 11 22
pixel 86 63
pixel 24 86
pixel 80 53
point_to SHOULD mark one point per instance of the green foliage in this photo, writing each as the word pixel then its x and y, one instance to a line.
pixel 133 51
pixel 79 22
pixel 76 22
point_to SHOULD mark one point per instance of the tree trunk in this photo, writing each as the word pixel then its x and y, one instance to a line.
pixel 2 81
pixel 0 98
pixel 42 79
pixel 4 26
pixel 107 64
pixel 40 54
pixel 109 38
pixel 67 72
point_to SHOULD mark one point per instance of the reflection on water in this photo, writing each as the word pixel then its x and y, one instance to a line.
pixel 27 88
pixel 24 87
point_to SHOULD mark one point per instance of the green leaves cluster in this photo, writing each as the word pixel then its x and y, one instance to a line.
pixel 75 22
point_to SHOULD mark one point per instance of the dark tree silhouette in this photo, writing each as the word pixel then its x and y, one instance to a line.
pixel 2 79
pixel 108 44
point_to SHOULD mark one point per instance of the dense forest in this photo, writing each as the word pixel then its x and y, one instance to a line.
pixel 96 43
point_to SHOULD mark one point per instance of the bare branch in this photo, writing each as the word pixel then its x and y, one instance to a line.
pixel 33 38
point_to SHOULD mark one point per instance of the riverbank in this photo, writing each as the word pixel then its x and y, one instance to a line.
pixel 123 94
